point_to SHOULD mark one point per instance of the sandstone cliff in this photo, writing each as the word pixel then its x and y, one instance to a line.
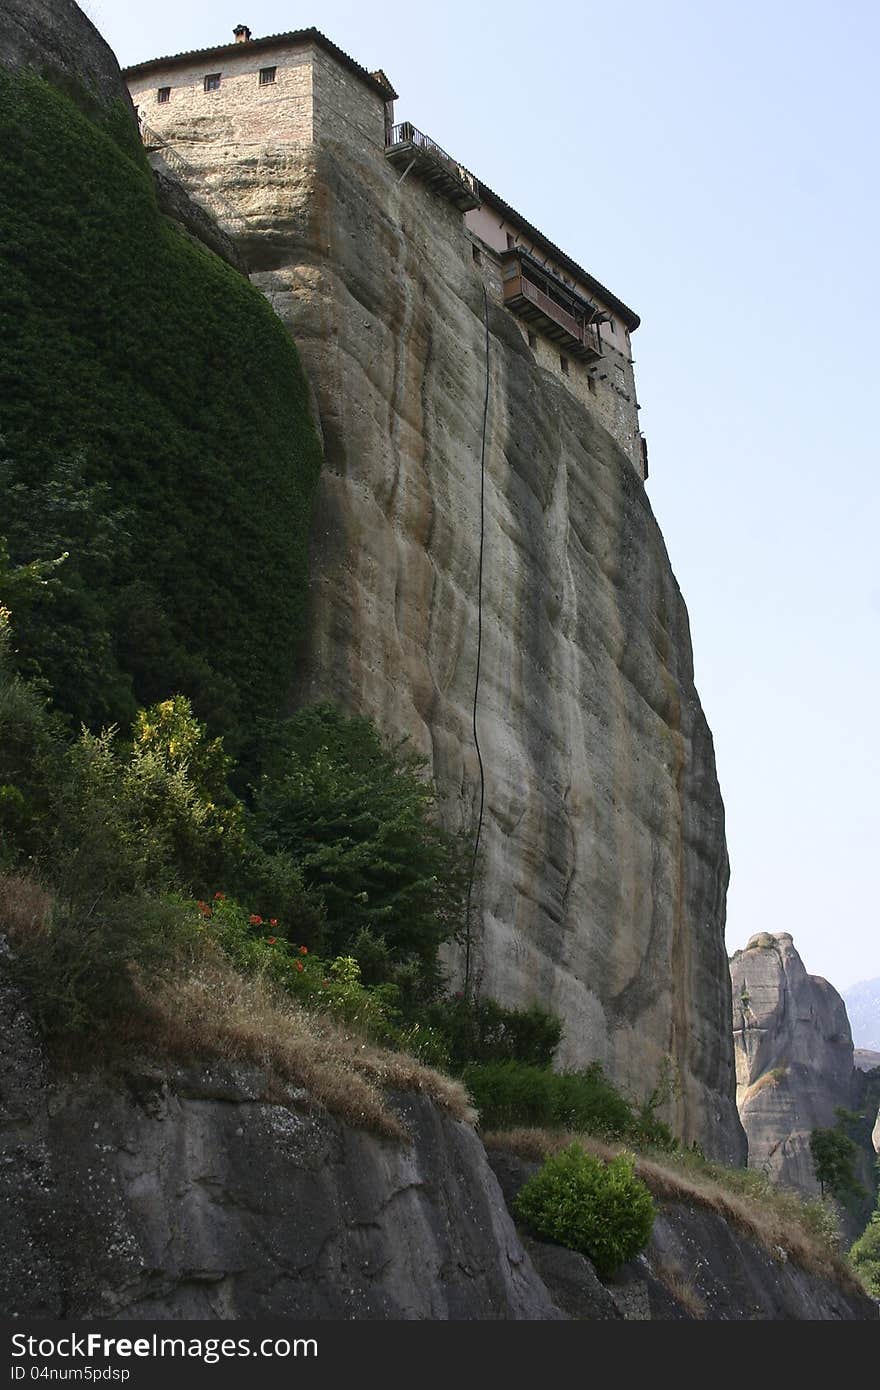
pixel 794 1056
pixel 602 894
pixel 56 39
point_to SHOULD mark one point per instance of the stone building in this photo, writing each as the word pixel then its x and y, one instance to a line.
pixel 299 89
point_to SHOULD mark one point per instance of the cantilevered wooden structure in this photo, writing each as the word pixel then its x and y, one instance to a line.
pixel 409 150
pixel 540 297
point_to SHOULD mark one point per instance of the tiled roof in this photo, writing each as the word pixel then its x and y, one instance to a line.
pixel 378 83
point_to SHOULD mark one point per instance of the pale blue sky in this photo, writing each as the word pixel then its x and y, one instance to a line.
pixel 714 165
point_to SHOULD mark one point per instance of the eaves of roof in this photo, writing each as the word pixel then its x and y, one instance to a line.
pixel 379 84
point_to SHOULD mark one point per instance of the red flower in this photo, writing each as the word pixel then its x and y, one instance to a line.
pixel 299 966
pixel 255 920
pixel 218 897
pixel 304 950
pixel 271 940
pixel 204 909
pixel 273 921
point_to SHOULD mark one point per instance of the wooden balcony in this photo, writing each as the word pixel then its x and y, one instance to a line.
pixel 540 298
pixel 409 150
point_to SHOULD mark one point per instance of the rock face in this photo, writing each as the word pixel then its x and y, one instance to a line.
pixel 602 893
pixel 185 1193
pixel 696 1265
pixel 56 38
pixel 794 1056
pixel 189 1194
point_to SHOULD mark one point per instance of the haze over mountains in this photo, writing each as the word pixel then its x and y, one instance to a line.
pixel 863 1007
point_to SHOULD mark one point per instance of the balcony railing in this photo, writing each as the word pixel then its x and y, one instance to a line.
pixel 410 149
pixel 568 326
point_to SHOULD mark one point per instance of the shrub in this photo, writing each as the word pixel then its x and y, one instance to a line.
pixel 87 965
pixel 260 946
pixel 31 755
pixel 508 1094
pixel 482 1030
pixel 600 1209
pixel 865 1256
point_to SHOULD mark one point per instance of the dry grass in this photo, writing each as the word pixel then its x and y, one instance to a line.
pixel 24 907
pixel 780 1221
pixel 682 1289
pixel 768 1079
pixel 214 1012
pixel 210 1012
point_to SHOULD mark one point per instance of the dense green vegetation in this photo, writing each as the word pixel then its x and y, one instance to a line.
pixel 865 1256
pixel 600 1209
pixel 509 1093
pixel 835 1155
pixel 146 854
pixel 156 430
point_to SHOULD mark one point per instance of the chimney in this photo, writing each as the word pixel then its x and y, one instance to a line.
pixel 242 33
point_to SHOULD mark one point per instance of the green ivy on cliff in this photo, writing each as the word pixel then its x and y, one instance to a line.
pixel 156 427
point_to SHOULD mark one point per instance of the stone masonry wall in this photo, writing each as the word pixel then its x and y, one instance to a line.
pixel 241 112
pixel 346 110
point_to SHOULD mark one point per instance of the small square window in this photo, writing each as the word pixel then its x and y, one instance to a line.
pixel 267 76
pixel 163 94
pixel 563 362
pixel 475 252
pixel 212 82
pixel 533 339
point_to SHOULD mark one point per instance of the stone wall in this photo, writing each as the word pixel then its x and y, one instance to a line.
pixel 240 113
pixel 346 110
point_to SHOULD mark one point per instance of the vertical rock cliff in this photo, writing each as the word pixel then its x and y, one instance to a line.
pixel 604 867
pixel 794 1057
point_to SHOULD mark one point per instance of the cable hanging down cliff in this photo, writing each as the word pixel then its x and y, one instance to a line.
pixel 467 947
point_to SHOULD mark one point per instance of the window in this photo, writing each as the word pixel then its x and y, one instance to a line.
pixel 267 76
pixel 563 362
pixel 533 339
pixel 163 94
pixel 591 382
pixel 475 252
pixel 212 82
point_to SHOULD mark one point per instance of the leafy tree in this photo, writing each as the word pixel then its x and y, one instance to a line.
pixel 834 1156
pixel 359 819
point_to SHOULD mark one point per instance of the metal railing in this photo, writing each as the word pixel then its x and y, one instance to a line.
pixel 407 134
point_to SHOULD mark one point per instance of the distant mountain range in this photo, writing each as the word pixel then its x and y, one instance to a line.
pixel 863 1007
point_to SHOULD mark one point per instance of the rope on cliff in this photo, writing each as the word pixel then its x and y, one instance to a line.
pixel 467 940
